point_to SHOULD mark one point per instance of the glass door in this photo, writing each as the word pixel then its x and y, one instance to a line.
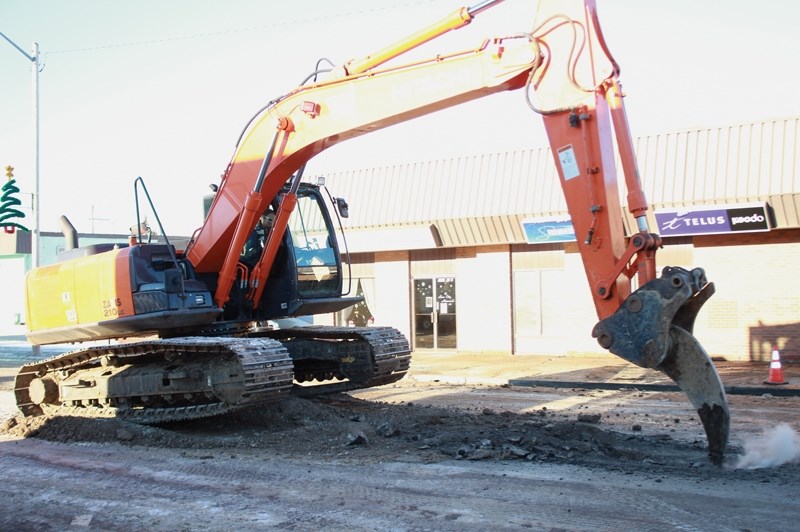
pixel 435 313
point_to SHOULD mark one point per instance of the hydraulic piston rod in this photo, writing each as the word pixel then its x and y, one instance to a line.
pixel 455 20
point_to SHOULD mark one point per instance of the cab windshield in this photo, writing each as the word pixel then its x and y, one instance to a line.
pixel 318 266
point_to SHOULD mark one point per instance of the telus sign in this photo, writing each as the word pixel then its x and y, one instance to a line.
pixel 709 221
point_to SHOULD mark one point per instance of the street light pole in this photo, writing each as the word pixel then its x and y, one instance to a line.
pixel 35 232
pixel 36 60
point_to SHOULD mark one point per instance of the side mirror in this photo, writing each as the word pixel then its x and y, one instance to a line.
pixel 343 207
pixel 207 201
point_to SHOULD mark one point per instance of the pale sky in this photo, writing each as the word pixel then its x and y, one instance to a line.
pixel 162 88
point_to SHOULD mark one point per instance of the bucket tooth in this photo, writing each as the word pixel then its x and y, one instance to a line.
pixel 688 364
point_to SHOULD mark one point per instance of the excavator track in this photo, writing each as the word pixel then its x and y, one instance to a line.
pixel 336 359
pixel 157 381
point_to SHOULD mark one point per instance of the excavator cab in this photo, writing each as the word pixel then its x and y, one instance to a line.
pixel 307 276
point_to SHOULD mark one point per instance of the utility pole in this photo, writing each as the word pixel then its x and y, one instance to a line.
pixel 35 59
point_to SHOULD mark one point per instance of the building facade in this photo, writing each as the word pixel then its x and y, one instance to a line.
pixel 477 255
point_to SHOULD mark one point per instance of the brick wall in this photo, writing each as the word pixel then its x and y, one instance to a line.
pixel 757 302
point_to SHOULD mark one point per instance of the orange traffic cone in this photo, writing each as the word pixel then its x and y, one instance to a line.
pixel 775 369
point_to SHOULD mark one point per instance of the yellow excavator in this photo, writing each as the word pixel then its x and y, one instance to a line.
pixel 193 321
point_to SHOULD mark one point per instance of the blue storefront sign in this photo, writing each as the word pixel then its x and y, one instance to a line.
pixel 716 220
pixel 546 230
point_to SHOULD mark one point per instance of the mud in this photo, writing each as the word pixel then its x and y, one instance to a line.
pixel 471 423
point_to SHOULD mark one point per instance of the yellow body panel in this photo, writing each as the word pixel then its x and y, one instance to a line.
pixel 85 290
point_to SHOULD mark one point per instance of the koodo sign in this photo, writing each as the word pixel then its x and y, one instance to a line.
pixel 709 221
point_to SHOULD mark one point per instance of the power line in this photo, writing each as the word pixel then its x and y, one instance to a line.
pixel 245 29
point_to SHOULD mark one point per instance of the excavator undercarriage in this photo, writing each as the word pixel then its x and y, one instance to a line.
pixel 173 379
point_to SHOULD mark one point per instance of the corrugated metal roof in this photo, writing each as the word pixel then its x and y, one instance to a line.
pixel 787 209
pixel 481 199
pixel 479 230
pixel 739 163
pixel 472 186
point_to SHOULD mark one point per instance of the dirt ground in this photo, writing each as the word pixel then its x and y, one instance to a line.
pixel 423 422
pixel 559 436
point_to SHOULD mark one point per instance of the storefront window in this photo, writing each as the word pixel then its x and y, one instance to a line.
pixel 360 314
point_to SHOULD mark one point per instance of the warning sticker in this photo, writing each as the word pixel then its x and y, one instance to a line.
pixel 569 165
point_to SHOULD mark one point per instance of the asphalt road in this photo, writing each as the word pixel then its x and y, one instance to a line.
pixel 287 467
pixel 65 487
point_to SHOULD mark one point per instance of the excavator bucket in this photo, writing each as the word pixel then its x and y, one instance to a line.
pixel 653 329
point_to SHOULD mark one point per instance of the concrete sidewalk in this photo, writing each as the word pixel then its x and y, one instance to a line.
pixel 588 371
